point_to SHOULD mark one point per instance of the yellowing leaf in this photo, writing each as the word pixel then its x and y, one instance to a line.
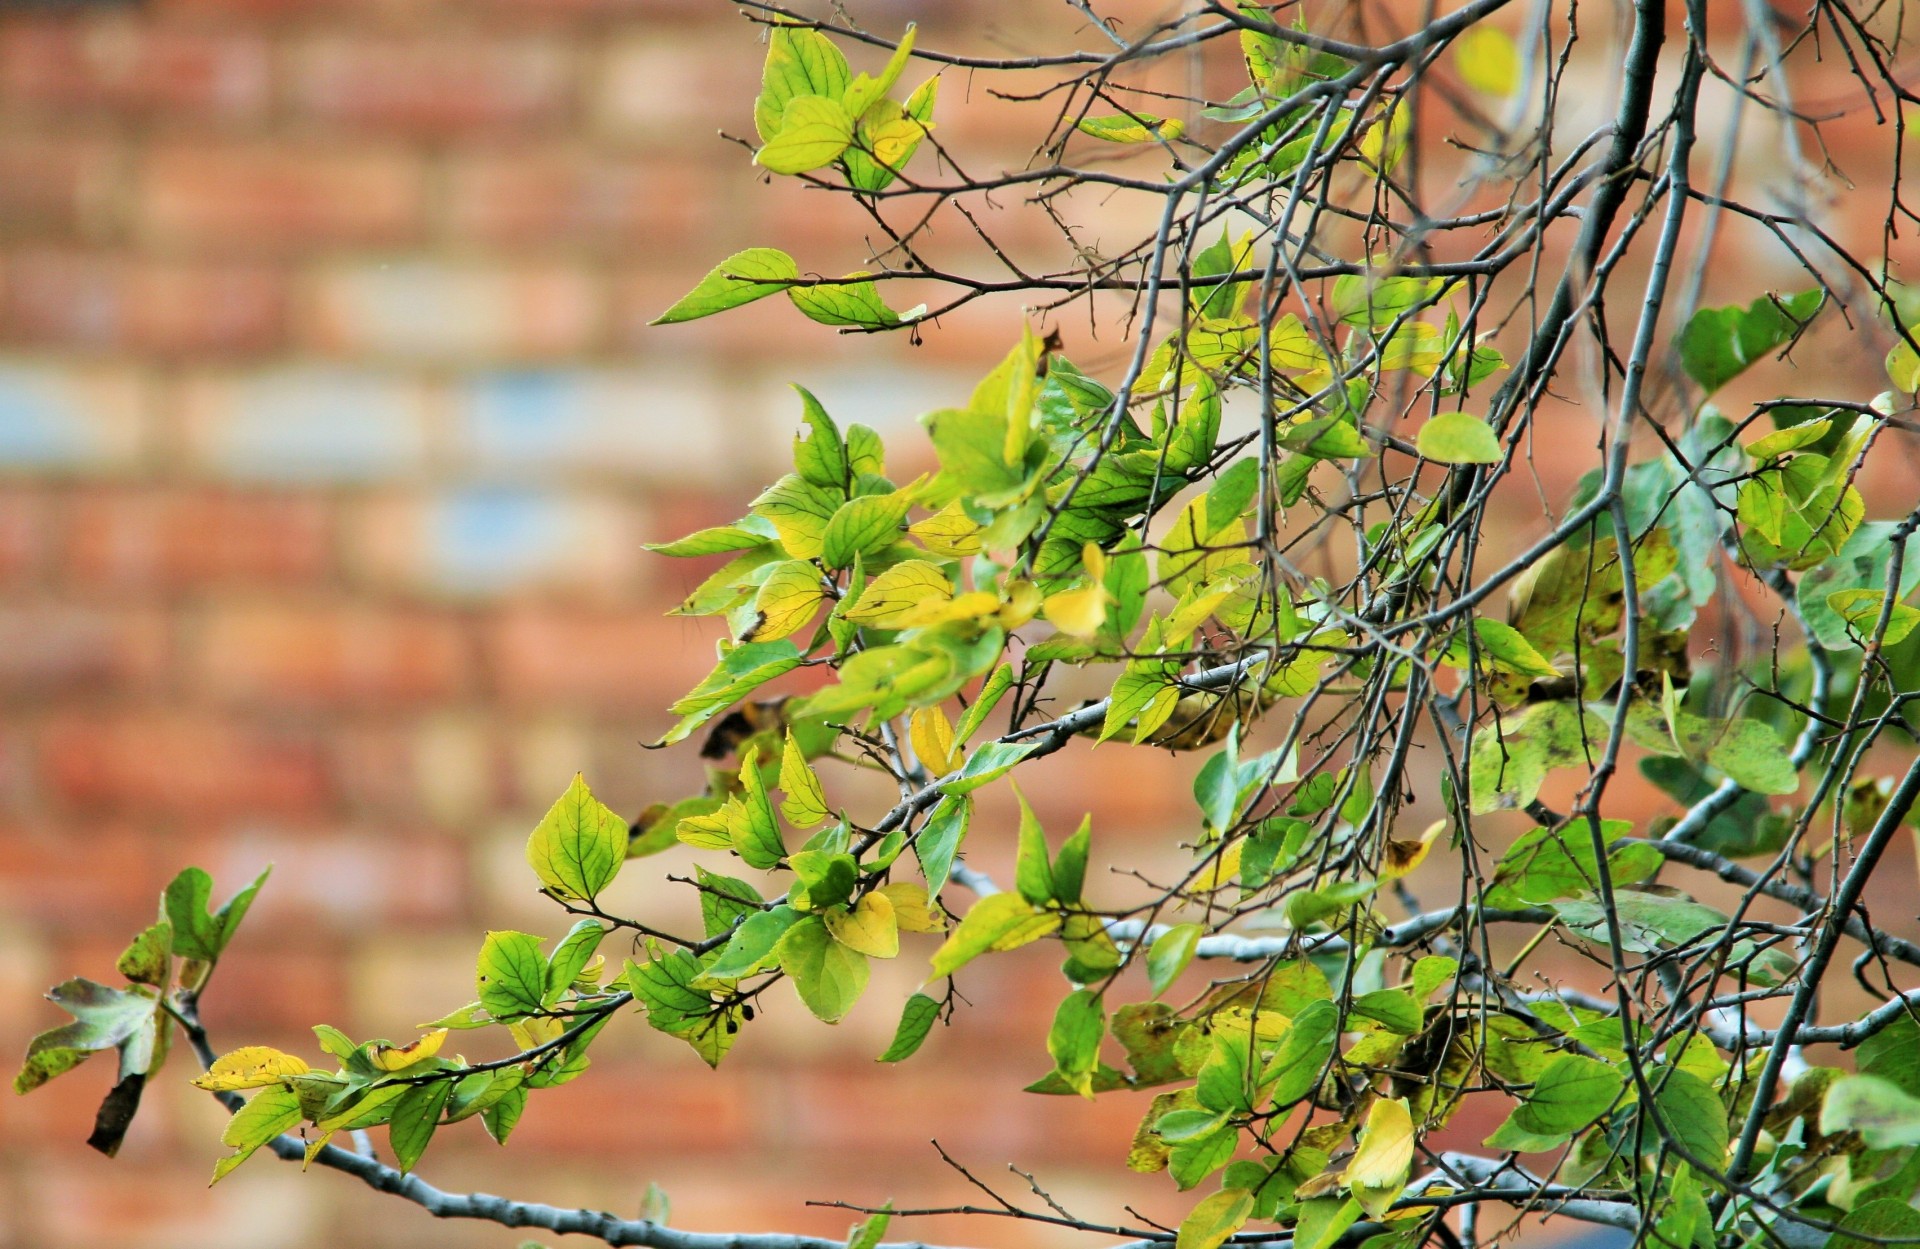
pixel 870 927
pixel 1903 365
pixel 897 592
pixel 1378 1172
pixel 1458 438
pixel 931 734
pixel 949 532
pixel 804 803
pixel 1000 921
pixel 970 606
pixel 1138 128
pixel 536 1030
pixel 912 909
pixel 250 1067
pixel 1403 856
pixel 1386 141
pixel 813 132
pixel 1214 1219
pixel 1487 60
pixel 400 1057
pixel 1223 869
pixel 579 844
pixel 786 601
pixel 1078 612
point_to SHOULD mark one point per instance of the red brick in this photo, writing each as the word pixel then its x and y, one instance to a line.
pixel 284 194
pixel 518 196
pixel 700 1111
pixel 26 529
pixel 90 300
pixel 119 876
pixel 60 65
pixel 157 764
pixel 431 84
pixel 585 659
pixel 65 649
pixel 61 186
pixel 178 539
pixel 280 653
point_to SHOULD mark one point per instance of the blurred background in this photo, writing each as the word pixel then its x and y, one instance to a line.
pixel 330 429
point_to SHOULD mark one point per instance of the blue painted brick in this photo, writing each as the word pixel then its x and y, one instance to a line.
pixel 307 424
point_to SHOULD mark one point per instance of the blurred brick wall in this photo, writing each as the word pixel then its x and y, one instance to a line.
pixel 329 432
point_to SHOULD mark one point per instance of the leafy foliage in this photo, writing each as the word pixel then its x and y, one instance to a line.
pixel 1274 540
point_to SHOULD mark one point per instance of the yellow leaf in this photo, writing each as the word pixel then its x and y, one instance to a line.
pixel 787 600
pixel 1403 856
pixel 894 141
pixel 1214 1219
pixel 1378 1172
pixel 1487 60
pixel 912 909
pixel 949 532
pixel 314 1147
pixel 250 1067
pixel 804 804
pixel 1386 141
pixel 1023 604
pixel 536 1030
pixel 1222 869
pixel 937 611
pixel 899 590
pixel 869 927
pixel 400 1057
pixel 1078 612
pixel 932 736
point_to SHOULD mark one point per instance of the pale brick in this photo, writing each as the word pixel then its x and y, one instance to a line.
pixel 490 541
pixel 56 419
pixel 429 310
pixel 306 424
pixel 675 88
pixel 667 424
pixel 521 195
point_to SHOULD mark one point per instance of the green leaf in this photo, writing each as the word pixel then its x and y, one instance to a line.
pixel 198 934
pixel 1032 871
pixel 1209 1224
pixel 1459 438
pixel 940 839
pixel 266 1115
pixel 415 1116
pixel 800 61
pixel 1718 344
pixel 571 956
pixel 1074 1039
pixel 1510 650
pixel 1296 1067
pixel 1861 609
pixel 1000 921
pixel 716 540
pixel 1396 1008
pixel 820 455
pixel 1882 1221
pixel 751 948
pixel 502 1115
pixel 1691 1113
pixel 989 763
pixel 1570 1094
pixel 1647 921
pixel 828 976
pixel 1884 1114
pixel 103 1018
pixel 739 279
pixel 742 669
pixel 865 526
pixel 512 975
pixel 146 960
pixel 864 90
pixel 1862 563
pixel 813 131
pixel 579 845
pixel 848 302
pixel 868 1233
pixel 1172 950
pixel 1511 757
pixel 916 1021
